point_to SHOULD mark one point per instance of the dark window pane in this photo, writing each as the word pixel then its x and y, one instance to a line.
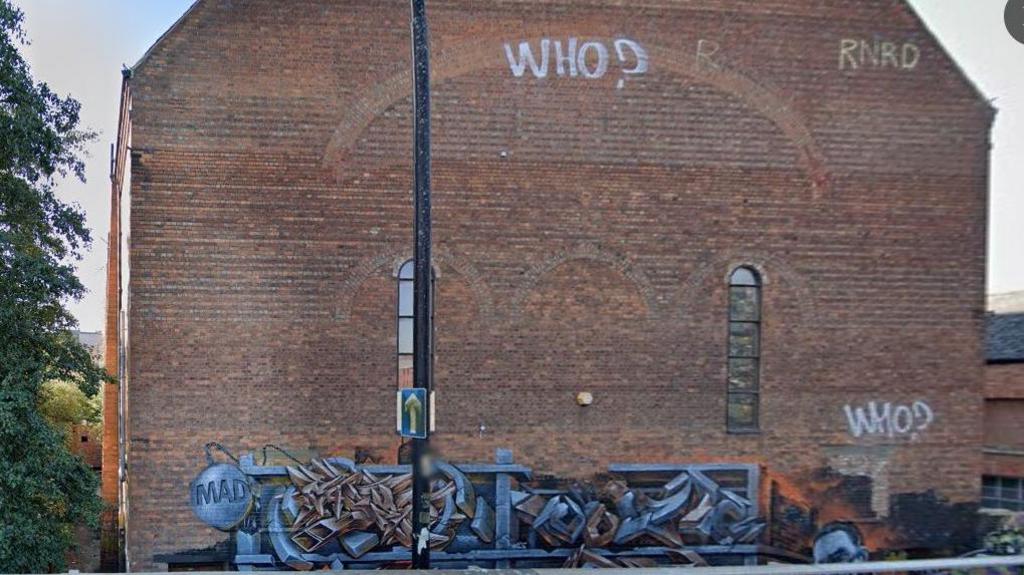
pixel 744 349
pixel 1007 488
pixel 742 411
pixel 405 335
pixel 743 340
pixel 405 305
pixel 1003 493
pixel 742 375
pixel 990 503
pixel 744 304
pixel 744 277
pixel 1010 488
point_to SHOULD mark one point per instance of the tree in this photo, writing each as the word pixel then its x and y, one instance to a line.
pixel 65 406
pixel 44 489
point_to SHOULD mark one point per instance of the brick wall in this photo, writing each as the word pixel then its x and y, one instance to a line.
pixel 1004 423
pixel 110 551
pixel 87 442
pixel 1004 419
pixel 584 234
pixel 1004 381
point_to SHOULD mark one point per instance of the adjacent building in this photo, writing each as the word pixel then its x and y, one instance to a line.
pixel 86 439
pixel 753 232
pixel 1003 486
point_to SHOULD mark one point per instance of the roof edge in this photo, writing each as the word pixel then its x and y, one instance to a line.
pixel 174 27
pixel 1005 361
pixel 964 76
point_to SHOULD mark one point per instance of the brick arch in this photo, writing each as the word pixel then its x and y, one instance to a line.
pixel 388 260
pixel 469 57
pixel 581 324
pixel 696 290
pixel 586 252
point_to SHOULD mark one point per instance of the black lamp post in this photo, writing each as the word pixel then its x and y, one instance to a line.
pixel 422 329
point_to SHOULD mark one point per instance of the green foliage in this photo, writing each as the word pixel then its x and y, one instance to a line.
pixel 44 489
pixel 64 405
pixel 1006 541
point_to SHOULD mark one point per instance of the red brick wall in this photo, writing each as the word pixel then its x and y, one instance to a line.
pixel 91 449
pixel 1004 419
pixel 112 552
pixel 111 354
pixel 1004 381
pixel 584 235
pixel 999 464
pixel 1004 424
pixel 110 452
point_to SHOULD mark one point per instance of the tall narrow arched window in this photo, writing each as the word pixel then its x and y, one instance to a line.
pixel 406 283
pixel 744 350
pixel 406 287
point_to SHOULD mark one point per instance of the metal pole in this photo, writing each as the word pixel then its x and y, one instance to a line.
pixel 422 328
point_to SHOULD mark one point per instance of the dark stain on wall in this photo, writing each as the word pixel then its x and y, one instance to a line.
pixel 922 524
pixel 932 525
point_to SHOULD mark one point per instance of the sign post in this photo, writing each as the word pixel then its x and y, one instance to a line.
pixel 422 329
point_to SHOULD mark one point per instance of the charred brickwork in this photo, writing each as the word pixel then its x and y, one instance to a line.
pixel 919 523
pixel 588 214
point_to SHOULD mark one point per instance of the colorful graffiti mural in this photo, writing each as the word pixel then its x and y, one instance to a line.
pixel 334 512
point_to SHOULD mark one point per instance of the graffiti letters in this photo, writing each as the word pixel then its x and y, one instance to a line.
pixel 226 491
pixel 574 58
pixel 888 419
pixel 221 496
pixel 855 54
pixel 706 50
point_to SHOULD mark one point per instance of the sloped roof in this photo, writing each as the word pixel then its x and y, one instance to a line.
pixel 1005 338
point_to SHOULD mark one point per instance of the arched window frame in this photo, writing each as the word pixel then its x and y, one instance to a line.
pixel 405 308
pixel 743 381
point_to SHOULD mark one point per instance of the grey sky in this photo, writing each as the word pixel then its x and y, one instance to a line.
pixel 78 47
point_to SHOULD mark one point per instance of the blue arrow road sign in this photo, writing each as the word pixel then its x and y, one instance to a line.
pixel 412 412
